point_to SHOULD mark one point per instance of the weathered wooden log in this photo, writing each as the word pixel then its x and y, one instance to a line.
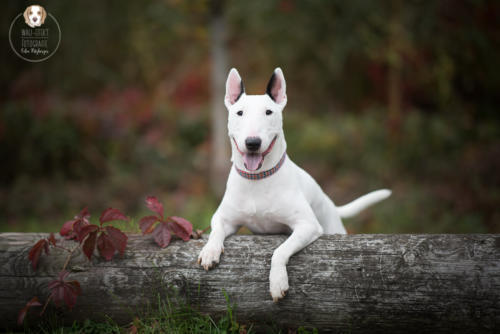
pixel 353 283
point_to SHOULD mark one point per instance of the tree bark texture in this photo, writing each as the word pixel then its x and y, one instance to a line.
pixel 340 283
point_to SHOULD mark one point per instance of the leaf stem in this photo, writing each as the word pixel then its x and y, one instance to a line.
pixel 61 247
pixel 46 304
pixel 69 257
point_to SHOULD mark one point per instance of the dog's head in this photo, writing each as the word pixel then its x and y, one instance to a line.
pixel 255 122
pixel 34 15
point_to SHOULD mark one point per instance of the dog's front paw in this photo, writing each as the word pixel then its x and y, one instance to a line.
pixel 278 282
pixel 209 255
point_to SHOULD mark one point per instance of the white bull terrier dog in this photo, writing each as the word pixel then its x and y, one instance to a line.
pixel 266 191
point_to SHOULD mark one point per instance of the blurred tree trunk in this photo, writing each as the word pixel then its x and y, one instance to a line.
pixel 394 91
pixel 220 153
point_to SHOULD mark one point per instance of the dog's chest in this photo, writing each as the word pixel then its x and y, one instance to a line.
pixel 261 210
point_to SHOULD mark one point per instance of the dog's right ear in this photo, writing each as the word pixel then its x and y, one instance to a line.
pixel 234 88
pixel 26 18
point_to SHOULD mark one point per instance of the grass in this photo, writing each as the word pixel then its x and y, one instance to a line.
pixel 171 316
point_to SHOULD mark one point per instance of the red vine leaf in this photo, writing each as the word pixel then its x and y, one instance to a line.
pixel 71 228
pixel 105 246
pixel 63 291
pixel 132 329
pixel 111 214
pixel 67 228
pixel 154 205
pixel 146 224
pixel 36 251
pixel 163 231
pixel 181 227
pixel 117 238
pixel 89 244
pixel 77 228
pixel 85 230
pixel 52 239
pixel 162 234
pixel 22 314
pixel 83 215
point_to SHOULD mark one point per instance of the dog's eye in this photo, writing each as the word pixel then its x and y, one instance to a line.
pixel 38 13
pixel 240 113
pixel 269 112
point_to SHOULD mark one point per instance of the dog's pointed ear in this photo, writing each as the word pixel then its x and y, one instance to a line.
pixel 276 88
pixel 234 88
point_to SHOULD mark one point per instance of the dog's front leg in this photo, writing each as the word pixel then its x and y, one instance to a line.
pixel 210 254
pixel 303 234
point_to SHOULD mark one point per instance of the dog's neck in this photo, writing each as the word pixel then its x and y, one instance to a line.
pixel 271 160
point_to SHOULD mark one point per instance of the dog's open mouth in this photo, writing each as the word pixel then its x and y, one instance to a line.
pixel 253 161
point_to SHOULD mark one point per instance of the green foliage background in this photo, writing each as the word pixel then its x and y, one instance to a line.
pixel 397 94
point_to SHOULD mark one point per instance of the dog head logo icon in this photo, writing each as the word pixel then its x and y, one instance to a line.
pixel 34 16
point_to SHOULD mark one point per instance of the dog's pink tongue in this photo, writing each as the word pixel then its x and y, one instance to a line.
pixel 253 161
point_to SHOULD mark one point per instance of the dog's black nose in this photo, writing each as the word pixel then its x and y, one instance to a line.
pixel 253 143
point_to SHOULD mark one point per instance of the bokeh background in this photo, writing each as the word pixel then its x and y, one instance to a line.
pixel 397 94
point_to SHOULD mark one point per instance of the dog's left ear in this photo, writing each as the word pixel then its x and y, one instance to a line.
pixel 44 15
pixel 276 88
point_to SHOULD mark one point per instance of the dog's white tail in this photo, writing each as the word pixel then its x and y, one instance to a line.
pixel 359 204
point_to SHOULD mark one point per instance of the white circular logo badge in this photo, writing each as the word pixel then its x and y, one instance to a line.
pixel 34 35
